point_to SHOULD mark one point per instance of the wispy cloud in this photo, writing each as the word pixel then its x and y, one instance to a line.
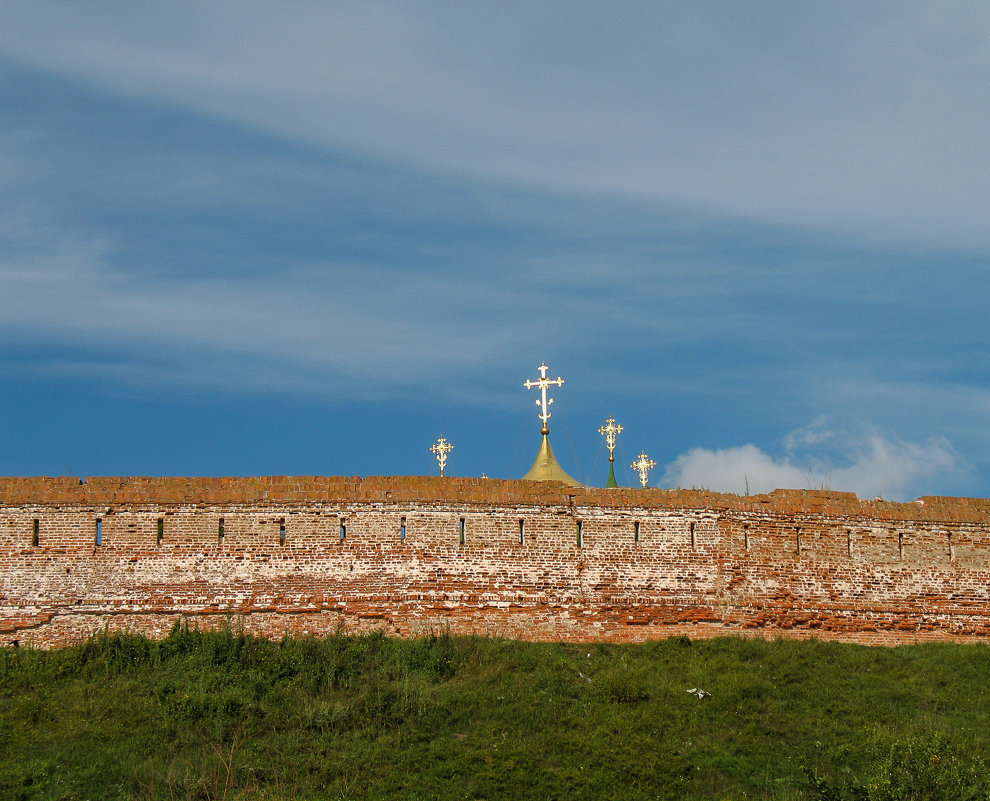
pixel 342 328
pixel 827 115
pixel 717 223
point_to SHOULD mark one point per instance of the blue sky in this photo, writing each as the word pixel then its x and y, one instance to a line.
pixel 250 239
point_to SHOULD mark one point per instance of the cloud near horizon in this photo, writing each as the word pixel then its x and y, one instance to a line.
pixel 872 465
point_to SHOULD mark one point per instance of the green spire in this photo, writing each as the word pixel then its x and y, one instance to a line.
pixel 611 476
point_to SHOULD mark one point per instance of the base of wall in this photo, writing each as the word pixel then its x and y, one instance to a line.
pixel 549 623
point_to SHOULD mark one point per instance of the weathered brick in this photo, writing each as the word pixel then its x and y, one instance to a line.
pixel 793 562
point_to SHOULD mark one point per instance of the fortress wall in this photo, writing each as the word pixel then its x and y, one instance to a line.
pixel 791 562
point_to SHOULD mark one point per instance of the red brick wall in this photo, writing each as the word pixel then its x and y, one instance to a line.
pixel 797 563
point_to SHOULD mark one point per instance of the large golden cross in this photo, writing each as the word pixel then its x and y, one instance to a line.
pixel 643 465
pixel 610 431
pixel 440 450
pixel 544 402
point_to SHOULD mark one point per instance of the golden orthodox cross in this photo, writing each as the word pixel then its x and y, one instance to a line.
pixel 610 431
pixel 643 465
pixel 544 402
pixel 440 450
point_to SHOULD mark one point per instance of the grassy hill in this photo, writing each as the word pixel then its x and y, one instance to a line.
pixel 222 716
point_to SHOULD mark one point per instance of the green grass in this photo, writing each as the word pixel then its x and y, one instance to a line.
pixel 222 716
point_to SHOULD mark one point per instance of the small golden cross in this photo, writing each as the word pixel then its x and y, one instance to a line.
pixel 610 431
pixel 440 450
pixel 643 465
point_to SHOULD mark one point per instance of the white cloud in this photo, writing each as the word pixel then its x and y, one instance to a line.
pixel 732 470
pixel 950 399
pixel 815 433
pixel 873 465
pixel 861 118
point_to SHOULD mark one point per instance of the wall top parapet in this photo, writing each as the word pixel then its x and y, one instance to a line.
pixel 301 490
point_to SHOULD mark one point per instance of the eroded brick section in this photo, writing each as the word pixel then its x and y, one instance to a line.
pixel 797 563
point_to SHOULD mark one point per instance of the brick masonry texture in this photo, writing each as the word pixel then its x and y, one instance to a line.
pixel 534 560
